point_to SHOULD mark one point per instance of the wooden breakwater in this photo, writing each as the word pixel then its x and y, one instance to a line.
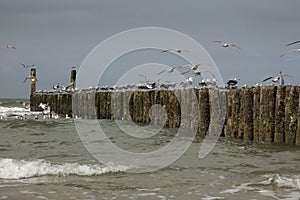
pixel 266 113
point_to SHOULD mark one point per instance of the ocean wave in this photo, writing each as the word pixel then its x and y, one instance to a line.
pixel 20 169
pixel 6 112
pixel 285 181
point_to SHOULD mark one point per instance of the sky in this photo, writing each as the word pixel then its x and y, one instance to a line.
pixel 58 34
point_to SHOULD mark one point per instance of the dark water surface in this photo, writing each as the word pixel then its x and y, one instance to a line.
pixel 45 159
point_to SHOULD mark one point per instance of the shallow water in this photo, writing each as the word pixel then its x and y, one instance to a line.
pixel 45 159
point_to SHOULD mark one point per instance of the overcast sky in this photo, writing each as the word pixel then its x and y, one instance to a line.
pixel 55 35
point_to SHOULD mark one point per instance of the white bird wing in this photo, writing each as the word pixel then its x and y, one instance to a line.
pixel 268 78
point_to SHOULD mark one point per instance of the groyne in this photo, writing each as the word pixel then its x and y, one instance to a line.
pixel 259 114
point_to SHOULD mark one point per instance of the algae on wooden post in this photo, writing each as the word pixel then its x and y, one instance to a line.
pixel 279 114
pixel 246 115
pixel 267 113
pixel 291 114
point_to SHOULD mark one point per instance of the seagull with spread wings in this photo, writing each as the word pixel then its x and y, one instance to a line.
pixel 289 51
pixel 10 46
pixel 225 44
pixel 175 50
pixel 276 79
pixel 27 66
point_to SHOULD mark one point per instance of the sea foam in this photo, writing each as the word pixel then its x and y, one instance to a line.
pixel 20 169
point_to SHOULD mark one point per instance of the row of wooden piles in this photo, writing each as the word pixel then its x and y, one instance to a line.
pixel 268 113
pixel 185 108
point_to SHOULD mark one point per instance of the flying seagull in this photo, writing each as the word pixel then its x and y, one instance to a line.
pixel 170 70
pixel 293 43
pixel 291 50
pixel 175 50
pixel 225 44
pixel 10 46
pixel 27 66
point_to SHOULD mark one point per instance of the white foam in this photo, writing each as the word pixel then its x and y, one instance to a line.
pixel 15 111
pixel 289 181
pixel 19 169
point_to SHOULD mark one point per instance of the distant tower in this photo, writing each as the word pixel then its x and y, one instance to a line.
pixel 33 81
pixel 73 78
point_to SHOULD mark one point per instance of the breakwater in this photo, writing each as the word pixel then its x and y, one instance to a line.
pixel 263 113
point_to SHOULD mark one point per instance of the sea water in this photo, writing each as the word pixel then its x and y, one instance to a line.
pixel 45 159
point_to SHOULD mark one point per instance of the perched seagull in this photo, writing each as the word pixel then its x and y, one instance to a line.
pixel 25 105
pixel 168 85
pixel 276 79
pixel 232 83
pixel 187 82
pixel 225 44
pixel 293 43
pixel 208 83
pixel 175 50
pixel 10 46
pixel 291 50
pixel 27 66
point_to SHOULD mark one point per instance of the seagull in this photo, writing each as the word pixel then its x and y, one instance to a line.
pixel 232 82
pixel 208 83
pixel 225 44
pixel 291 50
pixel 276 79
pixel 170 71
pixel 25 105
pixel 175 50
pixel 168 85
pixel 293 43
pixel 27 66
pixel 187 82
pixel 10 46
pixel 31 78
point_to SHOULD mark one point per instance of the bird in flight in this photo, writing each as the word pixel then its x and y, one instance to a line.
pixel 289 51
pixel 175 50
pixel 289 44
pixel 10 46
pixel 27 66
pixel 225 44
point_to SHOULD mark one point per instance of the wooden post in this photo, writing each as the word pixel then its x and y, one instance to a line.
pixel 267 114
pixel 204 112
pixel 279 114
pixel 234 98
pixel 297 142
pixel 33 81
pixel 291 113
pixel 73 78
pixel 246 115
pixel 256 112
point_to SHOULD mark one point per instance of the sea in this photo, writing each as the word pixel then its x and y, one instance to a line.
pixel 46 159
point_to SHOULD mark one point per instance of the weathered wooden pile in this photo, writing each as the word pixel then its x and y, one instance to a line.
pixel 268 113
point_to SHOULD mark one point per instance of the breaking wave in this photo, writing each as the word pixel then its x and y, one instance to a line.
pixel 20 169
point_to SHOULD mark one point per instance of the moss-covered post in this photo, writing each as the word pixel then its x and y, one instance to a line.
pixel 204 112
pixel 297 142
pixel 246 115
pixel 267 113
pixel 279 114
pixel 256 112
pixel 291 114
